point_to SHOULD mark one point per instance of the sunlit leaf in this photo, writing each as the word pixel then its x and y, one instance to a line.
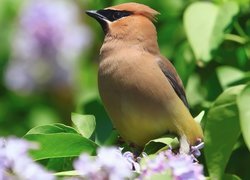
pixel 195 90
pixel 222 130
pixel 51 129
pixel 67 173
pixel 244 80
pixel 243 103
pixel 205 24
pixel 60 145
pixel 85 124
pixel 228 75
pixel 166 142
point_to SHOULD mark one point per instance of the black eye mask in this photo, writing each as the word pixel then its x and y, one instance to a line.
pixel 113 15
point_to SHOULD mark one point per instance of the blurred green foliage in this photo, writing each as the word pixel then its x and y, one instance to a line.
pixel 207 41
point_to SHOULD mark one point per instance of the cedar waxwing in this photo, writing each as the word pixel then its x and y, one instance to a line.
pixel 140 89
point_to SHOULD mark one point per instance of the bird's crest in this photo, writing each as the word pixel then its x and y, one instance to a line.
pixel 136 8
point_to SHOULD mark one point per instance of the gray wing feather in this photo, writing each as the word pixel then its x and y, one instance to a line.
pixel 173 78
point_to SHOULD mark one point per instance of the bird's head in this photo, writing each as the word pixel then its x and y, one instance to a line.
pixel 126 19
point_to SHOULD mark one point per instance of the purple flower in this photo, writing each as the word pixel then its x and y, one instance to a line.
pixel 109 164
pixel 86 166
pixel 153 165
pixel 183 167
pixel 45 47
pixel 195 150
pixel 180 166
pixel 134 165
pixel 15 162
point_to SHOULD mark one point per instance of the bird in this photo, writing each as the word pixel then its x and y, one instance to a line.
pixel 140 88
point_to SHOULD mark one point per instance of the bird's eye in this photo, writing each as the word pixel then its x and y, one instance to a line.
pixel 117 15
pixel 113 15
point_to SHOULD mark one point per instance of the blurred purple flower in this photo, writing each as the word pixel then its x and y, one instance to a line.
pixel 15 162
pixel 183 167
pixel 134 165
pixel 155 165
pixel 109 164
pixel 86 166
pixel 48 40
pixel 180 166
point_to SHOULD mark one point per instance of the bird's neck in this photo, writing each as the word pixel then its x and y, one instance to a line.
pixel 142 41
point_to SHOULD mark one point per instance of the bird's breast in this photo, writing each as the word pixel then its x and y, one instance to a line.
pixel 132 97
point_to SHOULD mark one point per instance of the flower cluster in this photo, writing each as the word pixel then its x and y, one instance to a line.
pixel 109 164
pixel 47 42
pixel 16 164
pixel 180 166
pixel 183 167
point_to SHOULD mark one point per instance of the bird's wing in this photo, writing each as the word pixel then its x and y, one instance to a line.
pixel 172 76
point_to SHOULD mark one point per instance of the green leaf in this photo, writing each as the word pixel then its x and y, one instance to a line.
pixel 205 24
pixel 244 80
pixel 51 129
pixel 156 145
pixel 67 173
pixel 59 164
pixel 230 177
pixel 85 124
pixel 195 90
pixel 243 103
pixel 103 130
pixel 222 130
pixel 60 145
pixel 228 75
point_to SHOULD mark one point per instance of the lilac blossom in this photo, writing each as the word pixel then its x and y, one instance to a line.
pixel 180 166
pixel 108 164
pixel 46 45
pixel 134 162
pixel 195 150
pixel 158 164
pixel 183 167
pixel 16 164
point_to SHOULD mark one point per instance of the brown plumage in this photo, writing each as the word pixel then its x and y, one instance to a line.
pixel 140 89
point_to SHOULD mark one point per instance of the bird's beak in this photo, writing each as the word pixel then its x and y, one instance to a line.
pixel 96 15
pixel 100 18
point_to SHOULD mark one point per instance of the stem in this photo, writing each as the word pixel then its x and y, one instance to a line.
pixel 239 29
pixel 236 38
